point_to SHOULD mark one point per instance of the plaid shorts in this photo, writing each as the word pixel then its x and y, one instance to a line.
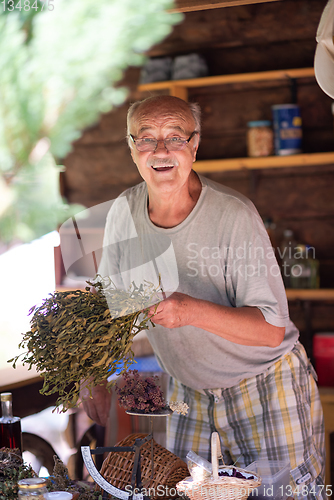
pixel 276 415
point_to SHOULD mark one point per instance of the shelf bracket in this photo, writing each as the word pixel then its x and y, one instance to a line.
pixel 179 91
pixel 294 90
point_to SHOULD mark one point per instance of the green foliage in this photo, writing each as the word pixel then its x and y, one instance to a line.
pixel 58 73
pixel 12 470
pixel 78 337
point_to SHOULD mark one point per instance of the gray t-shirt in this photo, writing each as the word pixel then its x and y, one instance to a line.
pixel 221 253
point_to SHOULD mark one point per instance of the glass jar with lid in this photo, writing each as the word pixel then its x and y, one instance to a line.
pixel 260 138
pixel 32 488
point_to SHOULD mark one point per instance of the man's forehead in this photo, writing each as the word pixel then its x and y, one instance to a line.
pixel 172 117
pixel 168 125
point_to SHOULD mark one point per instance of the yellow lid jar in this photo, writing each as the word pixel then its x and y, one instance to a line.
pixel 32 488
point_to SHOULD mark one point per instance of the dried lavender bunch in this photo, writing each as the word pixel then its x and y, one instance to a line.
pixel 139 394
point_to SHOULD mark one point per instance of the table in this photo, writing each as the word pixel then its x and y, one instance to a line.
pixel 25 384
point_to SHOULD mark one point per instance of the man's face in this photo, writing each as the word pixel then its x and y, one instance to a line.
pixel 164 171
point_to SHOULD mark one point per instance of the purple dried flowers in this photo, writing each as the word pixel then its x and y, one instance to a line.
pixel 139 394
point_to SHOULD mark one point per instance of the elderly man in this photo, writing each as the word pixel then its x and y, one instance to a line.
pixel 224 334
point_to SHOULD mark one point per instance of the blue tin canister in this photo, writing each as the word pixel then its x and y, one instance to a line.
pixel 287 124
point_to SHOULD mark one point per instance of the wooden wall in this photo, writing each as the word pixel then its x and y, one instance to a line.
pixel 259 37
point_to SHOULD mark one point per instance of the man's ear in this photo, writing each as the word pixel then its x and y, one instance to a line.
pixel 195 147
pixel 132 155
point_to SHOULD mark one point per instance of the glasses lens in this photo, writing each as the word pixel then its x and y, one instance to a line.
pixel 175 143
pixel 146 144
pixel 172 144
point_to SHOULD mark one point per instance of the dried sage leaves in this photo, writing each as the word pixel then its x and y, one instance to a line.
pixel 80 336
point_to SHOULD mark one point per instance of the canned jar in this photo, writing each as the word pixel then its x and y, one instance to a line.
pixel 288 132
pixel 259 138
pixel 32 488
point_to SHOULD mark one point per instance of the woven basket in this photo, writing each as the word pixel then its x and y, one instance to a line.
pixel 219 487
pixel 168 468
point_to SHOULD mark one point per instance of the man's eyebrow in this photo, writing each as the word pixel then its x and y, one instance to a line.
pixel 144 128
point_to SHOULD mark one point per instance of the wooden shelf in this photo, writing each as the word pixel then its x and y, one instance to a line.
pixel 291 293
pixel 310 294
pixel 300 160
pixel 179 88
pixel 194 5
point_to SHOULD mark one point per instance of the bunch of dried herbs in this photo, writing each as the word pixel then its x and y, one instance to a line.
pixel 12 470
pixel 140 394
pixel 60 481
pixel 80 336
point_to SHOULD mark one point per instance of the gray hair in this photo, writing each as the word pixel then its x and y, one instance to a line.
pixel 193 107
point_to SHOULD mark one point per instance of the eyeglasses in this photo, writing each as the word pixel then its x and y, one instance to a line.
pixel 171 143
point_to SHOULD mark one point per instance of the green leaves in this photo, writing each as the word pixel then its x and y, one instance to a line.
pixel 79 336
pixel 56 77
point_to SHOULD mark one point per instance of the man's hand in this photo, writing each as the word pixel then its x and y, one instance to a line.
pixel 97 406
pixel 241 325
pixel 173 312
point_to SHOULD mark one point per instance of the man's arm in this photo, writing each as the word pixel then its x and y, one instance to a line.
pixel 241 325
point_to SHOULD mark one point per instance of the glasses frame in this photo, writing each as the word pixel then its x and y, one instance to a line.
pixel 186 141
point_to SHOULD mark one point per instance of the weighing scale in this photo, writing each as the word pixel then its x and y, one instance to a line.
pixel 136 481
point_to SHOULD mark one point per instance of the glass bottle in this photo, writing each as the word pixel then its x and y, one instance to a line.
pixel 305 270
pixel 32 488
pixel 314 264
pixel 287 252
pixel 10 427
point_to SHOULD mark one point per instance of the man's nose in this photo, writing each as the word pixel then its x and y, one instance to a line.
pixel 160 145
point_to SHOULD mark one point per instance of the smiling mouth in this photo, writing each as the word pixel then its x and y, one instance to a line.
pixel 162 168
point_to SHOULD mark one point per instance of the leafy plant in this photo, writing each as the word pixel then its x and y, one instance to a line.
pixel 80 336
pixel 60 481
pixel 12 470
pixel 59 71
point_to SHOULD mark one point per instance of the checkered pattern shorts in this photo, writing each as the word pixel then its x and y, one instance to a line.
pixel 276 415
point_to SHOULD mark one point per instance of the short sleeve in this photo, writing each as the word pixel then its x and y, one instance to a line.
pixel 253 277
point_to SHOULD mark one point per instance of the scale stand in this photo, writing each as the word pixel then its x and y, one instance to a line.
pixel 136 481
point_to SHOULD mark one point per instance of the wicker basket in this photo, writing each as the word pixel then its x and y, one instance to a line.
pixel 219 487
pixel 168 468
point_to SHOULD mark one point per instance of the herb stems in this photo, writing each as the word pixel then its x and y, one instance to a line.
pixel 83 336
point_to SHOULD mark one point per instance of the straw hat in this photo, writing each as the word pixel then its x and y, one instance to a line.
pixel 324 54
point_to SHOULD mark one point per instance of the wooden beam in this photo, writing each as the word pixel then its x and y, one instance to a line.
pixel 321 294
pixel 208 81
pixel 298 160
pixel 195 5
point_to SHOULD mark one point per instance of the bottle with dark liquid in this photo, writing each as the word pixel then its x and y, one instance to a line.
pixel 10 427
